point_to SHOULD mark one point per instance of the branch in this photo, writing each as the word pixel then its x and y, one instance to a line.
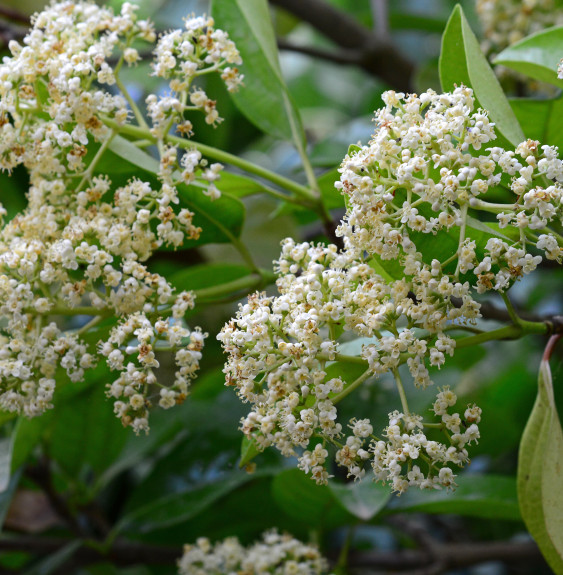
pixel 122 553
pixel 14 15
pixel 452 556
pixel 376 55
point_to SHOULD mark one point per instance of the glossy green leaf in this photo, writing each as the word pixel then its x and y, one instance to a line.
pixel 540 461
pixel 541 120
pixel 537 55
pixel 300 497
pixel 123 148
pixel 332 198
pixel 206 275
pixel 248 451
pixel 462 62
pixel 484 496
pixel 264 98
pixel 363 499
pixel 238 186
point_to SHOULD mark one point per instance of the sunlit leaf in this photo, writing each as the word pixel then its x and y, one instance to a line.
pixel 364 499
pixel 462 62
pixel 264 98
pixel 540 461
pixel 485 496
pixel 537 55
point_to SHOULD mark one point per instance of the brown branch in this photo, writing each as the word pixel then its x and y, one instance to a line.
pixel 122 553
pixel 346 57
pixel 14 15
pixel 452 556
pixel 376 55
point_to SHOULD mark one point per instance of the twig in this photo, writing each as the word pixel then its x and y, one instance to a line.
pixel 453 556
pixel 378 57
pixel 14 15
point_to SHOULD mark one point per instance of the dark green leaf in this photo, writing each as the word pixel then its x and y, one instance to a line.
pixel 180 507
pixel 26 436
pixel 537 56
pixel 97 436
pixel 540 461
pixel 541 120
pixel 462 62
pixel 221 220
pixel 484 496
pixel 300 497
pixel 206 275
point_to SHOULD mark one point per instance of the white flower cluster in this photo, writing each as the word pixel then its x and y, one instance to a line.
pixel 409 192
pixel 505 22
pixel 281 349
pixel 275 555
pixel 181 56
pixel 421 176
pixel 79 246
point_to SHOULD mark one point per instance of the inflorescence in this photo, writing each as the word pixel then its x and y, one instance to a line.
pixel 408 192
pixel 79 246
pixel 276 554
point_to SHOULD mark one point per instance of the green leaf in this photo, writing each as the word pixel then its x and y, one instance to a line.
pixel 540 461
pixel 484 496
pixel 5 462
pixel 332 198
pixel 26 436
pixel 238 186
pixel 123 148
pixel 541 120
pixel 264 98
pixel 179 507
pixel 248 451
pixel 97 436
pixel 8 493
pixel 221 220
pixel 300 497
pixel 363 499
pixel 56 560
pixel 207 275
pixel 462 62
pixel 537 55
